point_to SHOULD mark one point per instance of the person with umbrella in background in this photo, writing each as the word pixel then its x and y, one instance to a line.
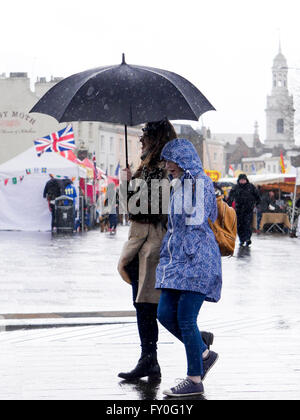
pixel 140 255
pixel 245 196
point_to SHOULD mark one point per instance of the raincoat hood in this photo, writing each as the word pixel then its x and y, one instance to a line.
pixel 184 154
pixel 243 176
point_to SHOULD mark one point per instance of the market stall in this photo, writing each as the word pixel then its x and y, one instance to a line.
pixel 286 190
pixel 22 182
pixel 279 220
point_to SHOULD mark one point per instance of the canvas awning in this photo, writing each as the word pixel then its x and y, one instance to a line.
pixel 284 182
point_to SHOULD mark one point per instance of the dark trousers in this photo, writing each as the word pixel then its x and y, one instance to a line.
pixel 244 226
pixel 113 220
pixel 52 210
pixel 146 313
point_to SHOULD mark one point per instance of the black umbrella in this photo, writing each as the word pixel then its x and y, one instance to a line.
pixel 123 94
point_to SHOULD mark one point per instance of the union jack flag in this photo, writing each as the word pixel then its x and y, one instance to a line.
pixel 56 142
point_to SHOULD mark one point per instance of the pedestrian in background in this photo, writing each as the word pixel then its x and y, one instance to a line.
pixel 52 190
pixel 189 271
pixel 112 201
pixel 246 197
pixel 70 191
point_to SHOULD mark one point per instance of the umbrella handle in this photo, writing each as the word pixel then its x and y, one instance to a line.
pixel 126 147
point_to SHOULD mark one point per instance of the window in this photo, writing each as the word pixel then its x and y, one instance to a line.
pixel 280 126
pixel 111 144
pixel 90 130
pixel 102 143
pixel 121 145
pixel 111 169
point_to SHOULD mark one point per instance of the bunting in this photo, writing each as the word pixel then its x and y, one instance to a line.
pixel 18 179
pixel 14 180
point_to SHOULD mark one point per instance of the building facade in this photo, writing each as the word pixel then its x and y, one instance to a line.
pixel 107 141
pixel 209 148
pixel 253 165
pixel 19 128
pixel 269 163
pixel 213 153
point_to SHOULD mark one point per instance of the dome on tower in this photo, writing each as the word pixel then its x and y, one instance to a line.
pixel 279 60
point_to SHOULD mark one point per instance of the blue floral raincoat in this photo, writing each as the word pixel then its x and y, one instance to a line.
pixel 190 257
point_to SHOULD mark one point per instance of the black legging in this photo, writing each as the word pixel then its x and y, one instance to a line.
pixel 146 313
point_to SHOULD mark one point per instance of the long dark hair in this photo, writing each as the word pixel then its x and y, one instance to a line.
pixel 158 134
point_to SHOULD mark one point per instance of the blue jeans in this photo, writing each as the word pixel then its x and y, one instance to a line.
pixel 178 312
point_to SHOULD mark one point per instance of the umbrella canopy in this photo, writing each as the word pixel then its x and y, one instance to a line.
pixel 123 94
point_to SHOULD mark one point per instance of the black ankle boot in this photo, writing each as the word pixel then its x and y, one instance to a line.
pixel 147 366
pixel 208 338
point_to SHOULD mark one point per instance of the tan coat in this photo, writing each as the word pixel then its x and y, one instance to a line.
pixel 145 240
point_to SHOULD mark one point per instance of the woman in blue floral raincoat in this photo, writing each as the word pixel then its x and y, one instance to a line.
pixel 189 271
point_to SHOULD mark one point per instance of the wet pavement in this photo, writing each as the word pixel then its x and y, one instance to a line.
pixel 72 283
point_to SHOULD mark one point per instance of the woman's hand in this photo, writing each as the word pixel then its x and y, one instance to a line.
pixel 126 174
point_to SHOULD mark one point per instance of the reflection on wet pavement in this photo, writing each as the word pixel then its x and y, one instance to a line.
pixel 145 389
pixel 243 252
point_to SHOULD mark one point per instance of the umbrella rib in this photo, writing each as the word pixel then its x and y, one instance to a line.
pixel 153 70
pixel 88 79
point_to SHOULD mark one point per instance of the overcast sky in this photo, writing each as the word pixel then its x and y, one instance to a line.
pixel 225 47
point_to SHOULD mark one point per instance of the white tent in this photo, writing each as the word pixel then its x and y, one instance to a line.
pixel 22 183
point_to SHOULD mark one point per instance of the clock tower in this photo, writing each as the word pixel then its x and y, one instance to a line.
pixel 280 107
